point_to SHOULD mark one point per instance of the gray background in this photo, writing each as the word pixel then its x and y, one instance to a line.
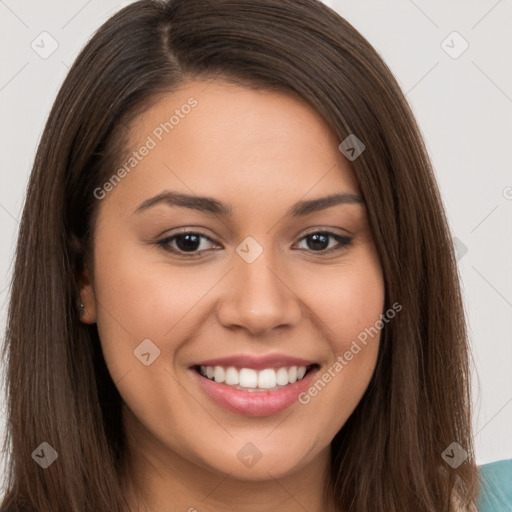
pixel 463 103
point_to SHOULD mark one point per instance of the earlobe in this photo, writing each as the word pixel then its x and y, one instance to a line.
pixel 86 303
pixel 87 306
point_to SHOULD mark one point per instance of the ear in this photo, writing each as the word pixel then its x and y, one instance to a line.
pixel 88 313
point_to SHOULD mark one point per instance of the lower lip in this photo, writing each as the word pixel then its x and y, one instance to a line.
pixel 254 403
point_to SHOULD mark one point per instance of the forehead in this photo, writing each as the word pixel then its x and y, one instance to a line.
pixel 239 144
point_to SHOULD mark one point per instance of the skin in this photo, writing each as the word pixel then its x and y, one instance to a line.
pixel 259 152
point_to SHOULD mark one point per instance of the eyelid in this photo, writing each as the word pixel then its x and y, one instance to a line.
pixel 325 229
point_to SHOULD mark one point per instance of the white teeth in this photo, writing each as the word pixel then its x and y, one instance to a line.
pixel 219 374
pixel 248 378
pixel 251 380
pixel 282 377
pixel 232 378
pixel 301 371
pixel 267 379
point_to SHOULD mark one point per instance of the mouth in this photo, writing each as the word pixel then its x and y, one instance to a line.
pixel 254 387
pixel 255 380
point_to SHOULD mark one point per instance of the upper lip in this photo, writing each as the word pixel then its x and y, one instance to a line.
pixel 256 362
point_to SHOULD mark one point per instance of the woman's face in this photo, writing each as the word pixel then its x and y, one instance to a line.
pixel 262 288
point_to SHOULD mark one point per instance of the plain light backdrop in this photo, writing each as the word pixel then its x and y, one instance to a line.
pixel 453 60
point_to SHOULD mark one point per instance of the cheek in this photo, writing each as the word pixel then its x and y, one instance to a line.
pixel 347 298
pixel 141 298
pixel 350 306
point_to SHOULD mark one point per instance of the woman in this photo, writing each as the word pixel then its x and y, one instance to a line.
pixel 235 287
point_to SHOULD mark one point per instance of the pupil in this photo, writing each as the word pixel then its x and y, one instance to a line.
pixel 319 240
pixel 191 242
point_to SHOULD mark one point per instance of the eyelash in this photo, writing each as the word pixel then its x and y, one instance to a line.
pixel 343 241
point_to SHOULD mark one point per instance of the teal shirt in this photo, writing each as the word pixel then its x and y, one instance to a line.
pixel 496 493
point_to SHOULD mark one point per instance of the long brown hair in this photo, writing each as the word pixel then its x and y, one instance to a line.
pixel 388 455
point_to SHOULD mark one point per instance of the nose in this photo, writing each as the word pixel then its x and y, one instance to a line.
pixel 258 297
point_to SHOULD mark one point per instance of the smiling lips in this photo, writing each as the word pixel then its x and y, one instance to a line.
pixel 254 386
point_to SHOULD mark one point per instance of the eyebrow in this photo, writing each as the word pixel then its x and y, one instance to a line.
pixel 210 205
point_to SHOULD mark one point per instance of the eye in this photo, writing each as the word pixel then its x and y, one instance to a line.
pixel 318 241
pixel 187 243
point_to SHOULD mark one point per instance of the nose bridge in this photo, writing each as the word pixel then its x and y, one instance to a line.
pixel 258 298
